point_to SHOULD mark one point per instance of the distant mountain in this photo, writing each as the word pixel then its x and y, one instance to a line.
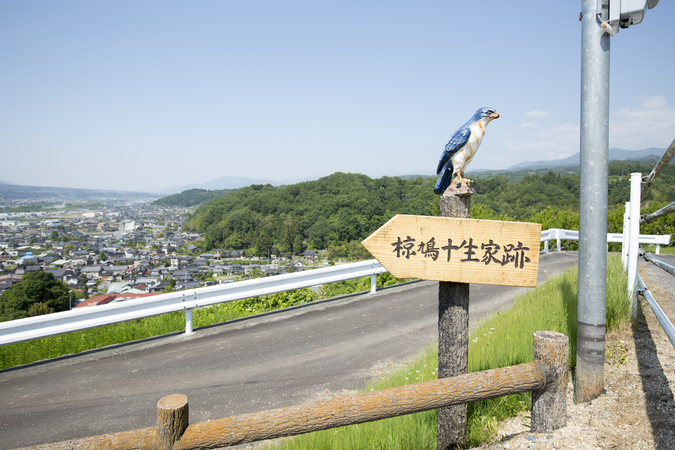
pixel 615 154
pixel 228 183
pixel 19 192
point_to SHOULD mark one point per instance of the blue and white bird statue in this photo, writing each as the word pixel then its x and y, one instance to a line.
pixel 461 147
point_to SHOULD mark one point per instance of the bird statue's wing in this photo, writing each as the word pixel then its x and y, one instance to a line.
pixel 456 142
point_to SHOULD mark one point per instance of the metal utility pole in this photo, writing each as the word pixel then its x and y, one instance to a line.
pixel 599 20
pixel 593 206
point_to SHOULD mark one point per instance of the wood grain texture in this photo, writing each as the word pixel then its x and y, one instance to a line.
pixel 442 393
pixel 413 247
pixel 453 328
pixel 172 419
pixel 142 439
pixel 363 407
pixel 453 357
pixel 549 406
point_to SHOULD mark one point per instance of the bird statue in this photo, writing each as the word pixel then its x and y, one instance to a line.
pixel 461 147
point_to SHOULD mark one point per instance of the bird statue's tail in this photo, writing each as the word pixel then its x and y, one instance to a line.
pixel 443 179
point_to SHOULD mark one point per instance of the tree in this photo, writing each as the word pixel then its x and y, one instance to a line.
pixel 39 309
pixel 35 287
pixel 298 245
pixel 170 285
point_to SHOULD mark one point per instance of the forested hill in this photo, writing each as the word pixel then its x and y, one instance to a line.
pixel 191 197
pixel 314 214
pixel 343 208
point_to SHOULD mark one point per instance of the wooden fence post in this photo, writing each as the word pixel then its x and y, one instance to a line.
pixel 172 419
pixel 453 327
pixel 549 406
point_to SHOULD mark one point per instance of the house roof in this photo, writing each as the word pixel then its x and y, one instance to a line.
pixel 108 298
pixel 98 300
pixel 58 273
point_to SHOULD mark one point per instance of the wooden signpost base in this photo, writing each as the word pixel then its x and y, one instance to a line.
pixel 456 250
pixel 453 326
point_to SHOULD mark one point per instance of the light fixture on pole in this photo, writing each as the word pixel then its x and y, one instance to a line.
pixel 622 13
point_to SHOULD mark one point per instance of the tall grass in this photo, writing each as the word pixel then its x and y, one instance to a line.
pixel 503 339
pixel 413 431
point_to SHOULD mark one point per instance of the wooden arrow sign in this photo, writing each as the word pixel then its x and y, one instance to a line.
pixel 460 250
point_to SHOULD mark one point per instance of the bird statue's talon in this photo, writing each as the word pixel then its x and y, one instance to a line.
pixel 460 187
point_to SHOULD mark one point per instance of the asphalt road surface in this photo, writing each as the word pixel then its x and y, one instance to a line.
pixel 265 362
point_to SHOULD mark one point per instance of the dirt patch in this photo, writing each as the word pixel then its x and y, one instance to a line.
pixel 637 409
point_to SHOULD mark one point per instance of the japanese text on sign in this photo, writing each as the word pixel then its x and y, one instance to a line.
pixel 467 251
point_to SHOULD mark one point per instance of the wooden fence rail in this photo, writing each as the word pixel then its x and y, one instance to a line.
pixel 546 377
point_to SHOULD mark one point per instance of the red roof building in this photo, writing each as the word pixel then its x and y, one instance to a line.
pixel 107 298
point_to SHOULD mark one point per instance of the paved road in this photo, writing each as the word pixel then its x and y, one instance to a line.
pixel 276 360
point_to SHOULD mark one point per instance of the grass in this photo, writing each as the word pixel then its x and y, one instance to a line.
pixel 664 250
pixel 413 431
pixel 502 340
pixel 119 333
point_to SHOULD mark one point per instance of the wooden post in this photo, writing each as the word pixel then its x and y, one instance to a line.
pixel 172 419
pixel 453 327
pixel 360 408
pixel 549 406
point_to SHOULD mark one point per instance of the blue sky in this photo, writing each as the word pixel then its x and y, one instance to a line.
pixel 147 95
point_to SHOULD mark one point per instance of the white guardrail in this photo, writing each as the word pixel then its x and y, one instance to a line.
pixel 90 317
pixel 573 235
pixel 83 318
pixel 666 324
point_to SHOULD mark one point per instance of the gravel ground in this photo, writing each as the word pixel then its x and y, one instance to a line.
pixel 637 409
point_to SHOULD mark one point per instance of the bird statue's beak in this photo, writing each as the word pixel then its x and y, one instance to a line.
pixel 495 115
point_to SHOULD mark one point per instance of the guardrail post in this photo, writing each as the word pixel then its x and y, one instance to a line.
pixel 558 241
pixel 188 321
pixel 549 406
pixel 373 284
pixel 172 419
pixel 634 238
pixel 624 244
pixel 546 246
